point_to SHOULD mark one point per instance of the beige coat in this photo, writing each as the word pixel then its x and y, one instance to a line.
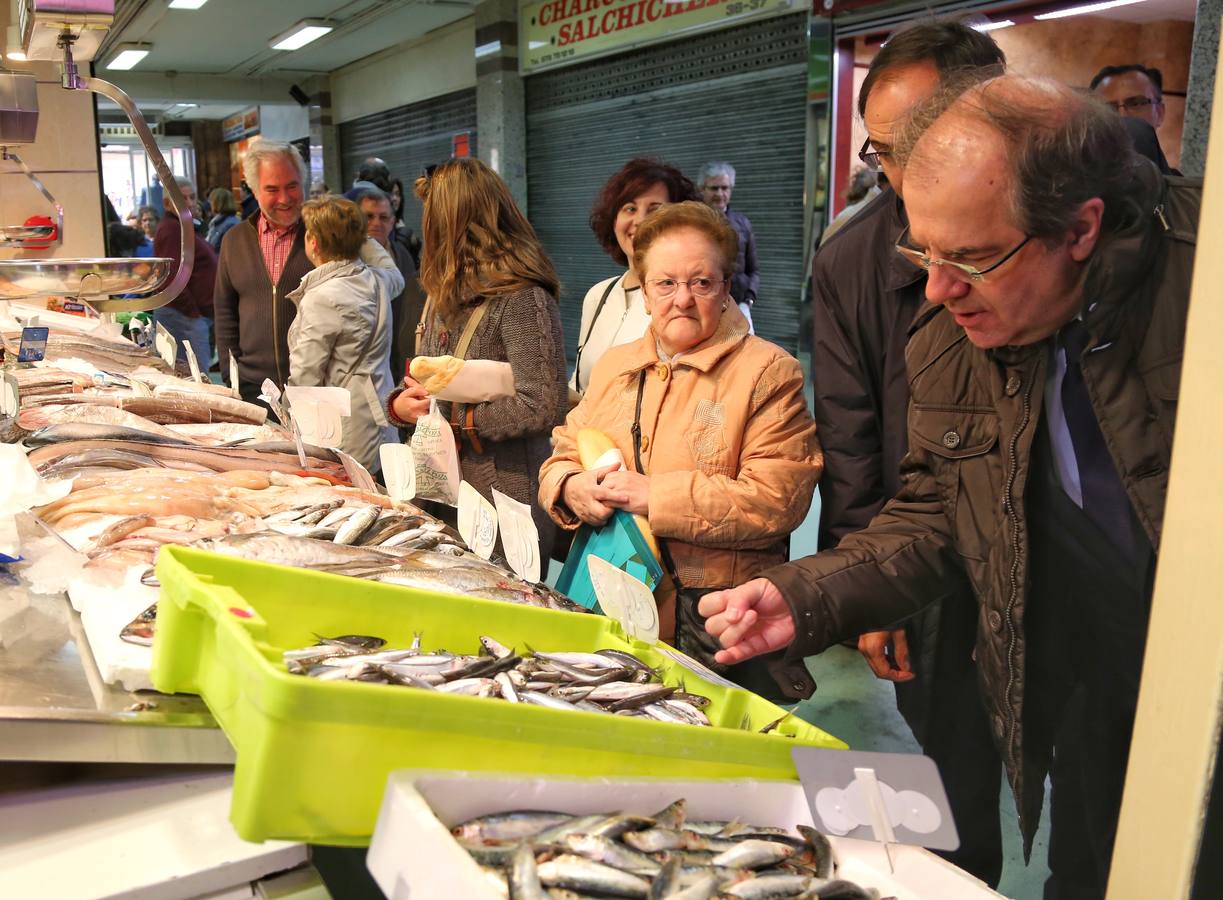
pixel 727 441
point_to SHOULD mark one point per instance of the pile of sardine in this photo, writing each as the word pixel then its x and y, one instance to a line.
pixel 536 855
pixel 369 525
pixel 612 682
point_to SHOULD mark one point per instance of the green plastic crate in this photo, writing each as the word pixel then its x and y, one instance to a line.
pixel 313 756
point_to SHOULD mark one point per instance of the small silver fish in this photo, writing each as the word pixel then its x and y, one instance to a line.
pixel 524 875
pixel 754 854
pixel 579 874
pixel 356 524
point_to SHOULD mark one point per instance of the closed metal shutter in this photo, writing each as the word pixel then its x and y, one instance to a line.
pixel 738 95
pixel 409 138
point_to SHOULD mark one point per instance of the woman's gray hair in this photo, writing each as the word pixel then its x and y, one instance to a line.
pixel 262 150
pixel 713 170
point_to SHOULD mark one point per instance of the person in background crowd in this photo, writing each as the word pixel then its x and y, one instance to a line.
pixel 372 173
pixel 408 306
pixel 318 189
pixel 402 232
pixel 122 240
pixel 1132 90
pixel 147 221
pixel 224 216
pixel 613 312
pixel 188 316
pixel 727 457
pixel 341 336
pixel 482 258
pixel 248 204
pixel 263 258
pixel 863 188
pixel 865 298
pixel 1044 378
pixel 717 182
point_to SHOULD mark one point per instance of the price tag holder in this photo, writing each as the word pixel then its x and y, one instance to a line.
pixel 233 378
pixel 625 599
pixel 319 413
pixel 301 449
pixel 357 473
pixel 33 343
pixel 165 345
pixel 398 471
pixel 192 362
pixel 891 798
pixel 477 521
pixel 519 537
pixel 270 394
pixel 10 396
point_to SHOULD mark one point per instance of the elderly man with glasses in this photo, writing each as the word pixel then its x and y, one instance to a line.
pixel 865 298
pixel 1044 373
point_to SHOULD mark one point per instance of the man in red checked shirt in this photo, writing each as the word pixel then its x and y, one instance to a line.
pixel 262 260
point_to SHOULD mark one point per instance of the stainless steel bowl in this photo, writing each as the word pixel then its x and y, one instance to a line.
pixel 84 278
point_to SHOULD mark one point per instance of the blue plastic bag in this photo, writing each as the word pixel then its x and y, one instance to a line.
pixel 620 543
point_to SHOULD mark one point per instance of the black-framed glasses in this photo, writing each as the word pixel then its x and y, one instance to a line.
pixel 701 288
pixel 959 271
pixel 871 157
pixel 1131 104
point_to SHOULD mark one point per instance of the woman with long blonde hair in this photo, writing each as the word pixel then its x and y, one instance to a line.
pixel 491 295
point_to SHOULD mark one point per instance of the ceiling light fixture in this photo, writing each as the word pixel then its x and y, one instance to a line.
pixel 992 26
pixel 1084 10
pixel 128 56
pixel 187 4
pixel 302 33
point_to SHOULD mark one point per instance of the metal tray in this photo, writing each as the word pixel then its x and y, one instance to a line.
pixel 87 278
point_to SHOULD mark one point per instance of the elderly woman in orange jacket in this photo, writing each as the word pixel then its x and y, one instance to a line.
pixel 720 450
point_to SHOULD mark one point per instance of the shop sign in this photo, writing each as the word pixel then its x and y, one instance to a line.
pixel 560 32
pixel 240 125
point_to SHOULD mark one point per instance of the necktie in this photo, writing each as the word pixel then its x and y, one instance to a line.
pixel 1104 497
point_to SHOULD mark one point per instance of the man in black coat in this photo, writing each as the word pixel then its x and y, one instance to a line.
pixel 866 296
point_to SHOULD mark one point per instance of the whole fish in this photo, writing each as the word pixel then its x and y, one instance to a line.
pixel 579 874
pixel 356 525
pixel 612 853
pixel 508 827
pixel 91 431
pixel 768 887
pixel 524 876
pixel 754 854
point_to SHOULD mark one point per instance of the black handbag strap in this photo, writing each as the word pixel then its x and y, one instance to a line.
pixel 577 366
pixel 667 561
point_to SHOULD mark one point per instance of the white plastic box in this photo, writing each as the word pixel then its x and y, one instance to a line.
pixel 413 854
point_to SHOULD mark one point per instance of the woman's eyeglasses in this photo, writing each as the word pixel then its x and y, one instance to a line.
pixel 959 271
pixel 700 288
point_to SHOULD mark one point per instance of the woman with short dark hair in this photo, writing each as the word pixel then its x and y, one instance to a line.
pixel 224 216
pixel 613 312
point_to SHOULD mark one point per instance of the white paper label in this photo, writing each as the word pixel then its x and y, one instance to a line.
pixel 165 345
pixel 192 362
pixel 398 471
pixel 625 599
pixel 519 536
pixel 233 378
pixel 357 473
pixel 301 450
pixel 10 397
pixel 477 521
pixel 695 667
pixel 271 396
pixel 319 413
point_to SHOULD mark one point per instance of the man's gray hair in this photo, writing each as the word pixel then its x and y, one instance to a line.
pixel 263 150
pixel 1063 147
pixel 374 193
pixel 713 170
pixel 184 182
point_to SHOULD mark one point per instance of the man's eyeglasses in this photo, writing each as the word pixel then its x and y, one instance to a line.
pixel 871 157
pixel 701 288
pixel 959 271
pixel 1132 104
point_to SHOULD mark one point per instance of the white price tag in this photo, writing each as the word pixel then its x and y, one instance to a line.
pixel 625 599
pixel 519 536
pixel 192 362
pixel 398 471
pixel 233 377
pixel 10 396
pixel 357 473
pixel 319 413
pixel 477 521
pixel 165 345
pixel 301 450
pixel 271 396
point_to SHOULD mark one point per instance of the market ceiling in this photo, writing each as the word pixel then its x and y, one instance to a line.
pixel 227 43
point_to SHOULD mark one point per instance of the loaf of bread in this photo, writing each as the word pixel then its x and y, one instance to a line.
pixel 435 372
